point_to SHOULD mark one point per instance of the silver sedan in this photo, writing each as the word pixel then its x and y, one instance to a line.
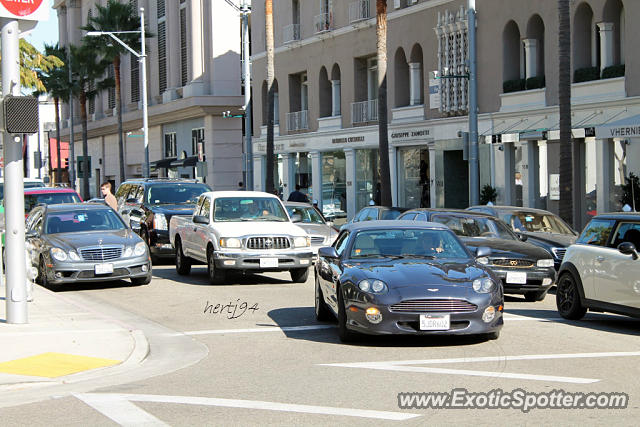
pixel 310 220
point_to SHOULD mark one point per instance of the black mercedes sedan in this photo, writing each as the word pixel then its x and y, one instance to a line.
pixel 524 268
pixel 403 277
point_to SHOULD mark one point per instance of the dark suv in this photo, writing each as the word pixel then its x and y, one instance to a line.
pixel 148 204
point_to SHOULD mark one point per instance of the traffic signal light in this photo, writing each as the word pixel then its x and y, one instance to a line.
pixel 65 163
pixel 19 114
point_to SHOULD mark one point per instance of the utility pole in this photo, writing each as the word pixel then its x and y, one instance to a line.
pixel 245 10
pixel 474 173
pixel 72 168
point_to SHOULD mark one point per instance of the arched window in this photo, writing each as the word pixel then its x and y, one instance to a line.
pixel 324 86
pixel 611 35
pixel 416 76
pixel 512 66
pixel 401 72
pixel 335 90
pixel 584 46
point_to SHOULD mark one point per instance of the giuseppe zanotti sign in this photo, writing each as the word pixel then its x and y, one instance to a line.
pixel 30 10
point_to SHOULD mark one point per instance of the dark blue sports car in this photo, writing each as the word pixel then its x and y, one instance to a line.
pixel 405 277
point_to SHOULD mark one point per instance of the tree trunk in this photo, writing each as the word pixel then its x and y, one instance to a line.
pixel 58 173
pixel 85 147
pixel 564 102
pixel 270 187
pixel 116 74
pixel 383 134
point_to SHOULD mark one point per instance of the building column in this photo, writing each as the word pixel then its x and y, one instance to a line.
pixel 530 174
pixel 606 44
pixel 172 13
pixel 196 84
pixel 224 154
pixel 316 176
pixel 433 182
pixel 505 174
pixel 531 57
pixel 604 166
pixel 393 171
pixel 335 97
pixel 350 161
pixel 414 83
pixel 287 186
pixel 258 173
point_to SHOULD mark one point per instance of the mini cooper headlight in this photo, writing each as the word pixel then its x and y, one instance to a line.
pixel 73 256
pixel 545 263
pixel 230 242
pixel 140 248
pixel 160 221
pixel 373 286
pixel 484 285
pixel 301 242
pixel 58 254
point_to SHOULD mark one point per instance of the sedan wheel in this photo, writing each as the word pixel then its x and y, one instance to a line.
pixel 322 311
pixel 183 263
pixel 216 276
pixel 568 298
pixel 299 275
pixel 344 334
pixel 42 276
pixel 535 296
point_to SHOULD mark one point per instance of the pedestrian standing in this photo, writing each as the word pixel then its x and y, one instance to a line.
pixel 109 198
pixel 298 196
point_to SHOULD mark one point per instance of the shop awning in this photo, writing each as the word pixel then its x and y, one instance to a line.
pixel 162 163
pixel 624 128
pixel 184 163
pixel 53 152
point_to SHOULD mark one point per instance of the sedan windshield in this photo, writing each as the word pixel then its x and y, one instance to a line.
pixel 309 215
pixel 232 209
pixel 175 194
pixel 31 200
pixel 79 220
pixel 476 226
pixel 407 243
pixel 532 222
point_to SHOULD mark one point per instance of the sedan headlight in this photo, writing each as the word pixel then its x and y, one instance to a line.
pixel 160 221
pixel 484 285
pixel 140 248
pixel 545 263
pixel 230 242
pixel 373 286
pixel 58 254
pixel 301 242
pixel 73 256
pixel 128 251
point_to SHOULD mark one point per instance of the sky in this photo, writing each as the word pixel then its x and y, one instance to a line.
pixel 45 31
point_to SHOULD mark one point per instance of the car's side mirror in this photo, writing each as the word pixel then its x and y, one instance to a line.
pixel 328 252
pixel 200 219
pixel 296 218
pixel 483 252
pixel 31 234
pixel 330 223
pixel 628 248
pixel 132 200
pixel 522 237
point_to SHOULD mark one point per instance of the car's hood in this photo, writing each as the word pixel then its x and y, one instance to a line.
pixel 93 238
pixel 176 209
pixel 552 239
pixel 503 248
pixel 318 229
pixel 258 228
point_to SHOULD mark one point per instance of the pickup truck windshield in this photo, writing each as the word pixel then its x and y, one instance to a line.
pixel 175 194
pixel 234 209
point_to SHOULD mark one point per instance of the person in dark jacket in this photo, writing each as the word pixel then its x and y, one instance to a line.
pixel 298 196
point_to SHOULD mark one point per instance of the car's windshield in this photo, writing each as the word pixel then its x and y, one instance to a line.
pixel 82 220
pixel 407 242
pixel 476 226
pixel 532 222
pixel 26 184
pixel 308 214
pixel 392 213
pixel 31 200
pixel 233 209
pixel 174 193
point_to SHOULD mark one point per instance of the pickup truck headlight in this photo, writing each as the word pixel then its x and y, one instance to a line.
pixel 302 242
pixel 545 263
pixel 230 242
pixel 58 254
pixel 160 221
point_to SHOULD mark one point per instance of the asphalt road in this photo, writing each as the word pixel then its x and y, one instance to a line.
pixel 275 364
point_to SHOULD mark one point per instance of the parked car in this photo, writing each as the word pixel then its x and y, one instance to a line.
pixel 374 213
pixel 240 231
pixel 543 228
pixel 601 271
pixel 406 277
pixel 147 205
pixel 76 243
pixel 309 219
pixel 48 196
pixel 26 182
pixel 524 268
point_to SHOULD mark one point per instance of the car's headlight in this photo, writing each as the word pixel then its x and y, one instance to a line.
pixel 545 263
pixel 373 286
pixel 58 254
pixel 73 256
pixel 159 221
pixel 484 285
pixel 230 242
pixel 140 248
pixel 128 251
pixel 301 242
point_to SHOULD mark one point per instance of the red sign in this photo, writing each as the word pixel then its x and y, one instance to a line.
pixel 24 9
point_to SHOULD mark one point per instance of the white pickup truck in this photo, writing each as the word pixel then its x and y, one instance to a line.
pixel 240 230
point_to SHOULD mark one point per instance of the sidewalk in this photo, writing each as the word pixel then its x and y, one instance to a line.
pixel 63 342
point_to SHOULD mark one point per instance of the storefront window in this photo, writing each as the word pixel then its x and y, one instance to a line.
pixel 367 178
pixel 334 189
pixel 414 186
pixel 590 174
pixel 518 175
pixel 302 172
pixel 619 174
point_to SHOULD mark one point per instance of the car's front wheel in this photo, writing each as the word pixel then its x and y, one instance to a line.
pixel 139 281
pixel 322 311
pixel 568 298
pixel 535 296
pixel 299 275
pixel 42 276
pixel 216 276
pixel 344 333
pixel 183 263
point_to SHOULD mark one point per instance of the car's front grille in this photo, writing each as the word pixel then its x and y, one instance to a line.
pixel 559 252
pixel 317 240
pixel 433 305
pixel 268 243
pixel 101 254
pixel 512 263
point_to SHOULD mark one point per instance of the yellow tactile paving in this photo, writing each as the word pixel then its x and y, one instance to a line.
pixel 52 365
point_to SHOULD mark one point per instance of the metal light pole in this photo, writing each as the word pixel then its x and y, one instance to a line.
pixel 248 129
pixel 474 174
pixel 72 151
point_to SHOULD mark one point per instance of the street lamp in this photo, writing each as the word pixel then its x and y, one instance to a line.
pixel 142 58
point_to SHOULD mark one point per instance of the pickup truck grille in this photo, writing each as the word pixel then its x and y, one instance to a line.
pixel 268 243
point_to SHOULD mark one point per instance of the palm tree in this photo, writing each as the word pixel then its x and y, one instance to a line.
pixel 115 16
pixel 383 134
pixel 564 101
pixel 270 185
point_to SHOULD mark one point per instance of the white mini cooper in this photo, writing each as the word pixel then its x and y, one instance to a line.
pixel 601 272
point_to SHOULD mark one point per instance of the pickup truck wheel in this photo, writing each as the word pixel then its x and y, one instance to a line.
pixel 299 275
pixel 183 263
pixel 216 276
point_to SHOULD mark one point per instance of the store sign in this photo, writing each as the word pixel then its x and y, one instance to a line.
pixel 411 134
pixel 554 186
pixel 434 91
pixel 347 139
pixel 618 132
pixel 32 10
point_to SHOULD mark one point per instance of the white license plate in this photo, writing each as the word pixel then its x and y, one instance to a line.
pixel 429 322
pixel 268 262
pixel 103 268
pixel 516 277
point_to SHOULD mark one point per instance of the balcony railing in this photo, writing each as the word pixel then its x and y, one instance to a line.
pixel 365 111
pixel 298 120
pixel 291 33
pixel 359 10
pixel 323 22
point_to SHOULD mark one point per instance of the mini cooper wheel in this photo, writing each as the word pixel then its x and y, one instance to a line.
pixel 322 311
pixel 216 276
pixel 568 298
pixel 183 263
